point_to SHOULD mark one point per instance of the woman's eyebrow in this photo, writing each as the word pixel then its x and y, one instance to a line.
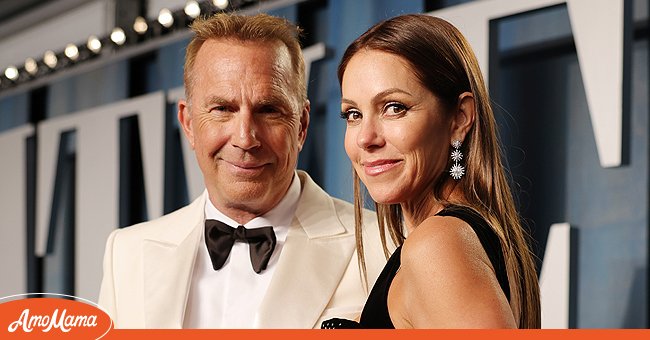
pixel 379 97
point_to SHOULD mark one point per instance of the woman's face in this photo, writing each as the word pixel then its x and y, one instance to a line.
pixel 398 134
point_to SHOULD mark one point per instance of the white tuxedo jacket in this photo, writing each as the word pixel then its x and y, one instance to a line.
pixel 148 267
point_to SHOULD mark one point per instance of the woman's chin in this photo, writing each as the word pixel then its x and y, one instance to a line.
pixel 385 197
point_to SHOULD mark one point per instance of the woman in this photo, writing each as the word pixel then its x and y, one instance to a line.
pixel 422 138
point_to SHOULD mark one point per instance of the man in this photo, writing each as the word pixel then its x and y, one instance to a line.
pixel 246 116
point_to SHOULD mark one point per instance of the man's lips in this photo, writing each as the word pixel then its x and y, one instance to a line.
pixel 246 166
pixel 379 166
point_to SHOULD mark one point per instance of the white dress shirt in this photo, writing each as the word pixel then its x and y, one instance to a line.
pixel 230 297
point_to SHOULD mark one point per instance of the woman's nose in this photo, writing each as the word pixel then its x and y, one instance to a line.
pixel 370 135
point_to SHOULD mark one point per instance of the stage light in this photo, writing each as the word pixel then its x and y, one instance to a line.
pixel 50 59
pixel 72 52
pixel 31 66
pixel 192 9
pixel 118 36
pixel 140 25
pixel 166 18
pixel 94 44
pixel 11 72
pixel 220 4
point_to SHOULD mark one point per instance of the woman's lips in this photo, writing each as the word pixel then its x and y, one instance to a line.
pixel 380 166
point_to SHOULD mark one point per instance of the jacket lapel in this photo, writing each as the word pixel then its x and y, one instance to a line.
pixel 168 261
pixel 314 258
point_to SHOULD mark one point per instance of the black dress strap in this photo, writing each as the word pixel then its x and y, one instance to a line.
pixel 489 241
pixel 375 312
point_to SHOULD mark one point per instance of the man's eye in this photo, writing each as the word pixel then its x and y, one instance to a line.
pixel 269 109
pixel 220 108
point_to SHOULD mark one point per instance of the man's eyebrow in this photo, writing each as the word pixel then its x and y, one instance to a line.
pixel 216 100
pixel 273 101
pixel 276 99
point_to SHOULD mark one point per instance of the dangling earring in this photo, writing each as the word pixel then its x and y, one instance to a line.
pixel 457 171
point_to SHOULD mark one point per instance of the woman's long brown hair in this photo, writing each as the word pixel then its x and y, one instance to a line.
pixel 445 64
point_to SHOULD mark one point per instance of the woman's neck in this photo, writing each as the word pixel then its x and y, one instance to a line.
pixel 417 210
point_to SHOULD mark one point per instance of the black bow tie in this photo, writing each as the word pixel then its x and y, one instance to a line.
pixel 220 237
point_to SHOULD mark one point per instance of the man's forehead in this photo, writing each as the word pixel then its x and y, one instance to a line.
pixel 261 95
pixel 274 92
pixel 233 70
pixel 253 56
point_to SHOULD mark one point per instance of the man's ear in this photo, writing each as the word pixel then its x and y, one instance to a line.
pixel 464 116
pixel 304 124
pixel 185 119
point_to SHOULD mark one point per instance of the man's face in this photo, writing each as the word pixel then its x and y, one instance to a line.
pixel 245 123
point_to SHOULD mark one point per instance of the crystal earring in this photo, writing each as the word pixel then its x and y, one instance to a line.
pixel 457 171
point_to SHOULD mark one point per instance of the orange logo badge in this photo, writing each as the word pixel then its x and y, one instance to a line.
pixel 23 316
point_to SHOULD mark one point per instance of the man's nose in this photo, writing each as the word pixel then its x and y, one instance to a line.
pixel 246 131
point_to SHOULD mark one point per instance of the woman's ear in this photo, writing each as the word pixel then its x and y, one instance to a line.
pixel 465 114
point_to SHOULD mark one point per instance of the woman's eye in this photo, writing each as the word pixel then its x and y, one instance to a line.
pixel 351 115
pixel 396 109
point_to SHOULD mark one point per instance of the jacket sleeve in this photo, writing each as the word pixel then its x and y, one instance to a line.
pixel 107 299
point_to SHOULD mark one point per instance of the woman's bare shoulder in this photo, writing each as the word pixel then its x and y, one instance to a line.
pixel 446 274
pixel 441 238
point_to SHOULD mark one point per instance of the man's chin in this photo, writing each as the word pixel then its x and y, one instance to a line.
pixel 246 192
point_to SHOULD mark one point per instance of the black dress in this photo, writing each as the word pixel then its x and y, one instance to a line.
pixel 375 312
